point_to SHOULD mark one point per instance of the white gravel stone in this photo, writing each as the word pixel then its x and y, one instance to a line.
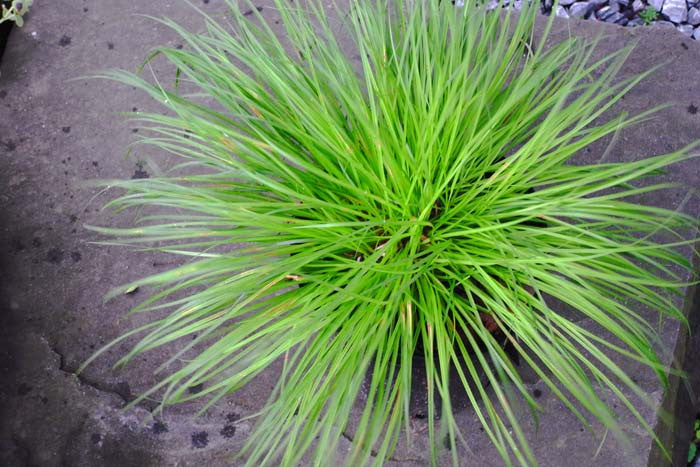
pixel 696 34
pixel 664 24
pixel 578 9
pixel 638 5
pixel 675 10
pixel 561 12
pixel 686 29
pixel 657 4
pixel 694 16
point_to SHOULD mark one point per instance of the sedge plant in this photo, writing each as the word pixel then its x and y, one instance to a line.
pixel 352 198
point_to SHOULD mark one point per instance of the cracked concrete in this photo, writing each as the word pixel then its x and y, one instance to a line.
pixel 56 133
pixel 73 421
pixel 121 389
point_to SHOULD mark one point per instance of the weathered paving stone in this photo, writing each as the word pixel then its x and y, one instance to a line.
pixel 675 10
pixel 45 408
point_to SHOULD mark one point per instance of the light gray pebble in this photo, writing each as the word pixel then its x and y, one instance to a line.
pixel 579 9
pixel 635 22
pixel 696 34
pixel 604 13
pixel 664 24
pixel 561 12
pixel 638 5
pixel 611 15
pixel 675 10
pixel 657 4
pixel 616 18
pixel 686 29
pixel 694 16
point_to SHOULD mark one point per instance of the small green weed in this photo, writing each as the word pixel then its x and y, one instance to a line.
pixel 649 14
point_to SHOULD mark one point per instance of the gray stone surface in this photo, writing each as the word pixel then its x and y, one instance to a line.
pixel 663 24
pixel 580 9
pixel 561 12
pixel 694 16
pixel 675 10
pixel 657 4
pixel 610 15
pixel 686 29
pixel 56 133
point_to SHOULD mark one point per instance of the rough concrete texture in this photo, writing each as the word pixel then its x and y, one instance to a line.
pixel 56 133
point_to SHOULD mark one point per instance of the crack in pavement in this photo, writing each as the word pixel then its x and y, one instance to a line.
pixel 120 389
pixel 123 391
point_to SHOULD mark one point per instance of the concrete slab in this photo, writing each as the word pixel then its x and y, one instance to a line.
pixel 56 133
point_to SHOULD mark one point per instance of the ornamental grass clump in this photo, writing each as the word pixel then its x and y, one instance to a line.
pixel 351 199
